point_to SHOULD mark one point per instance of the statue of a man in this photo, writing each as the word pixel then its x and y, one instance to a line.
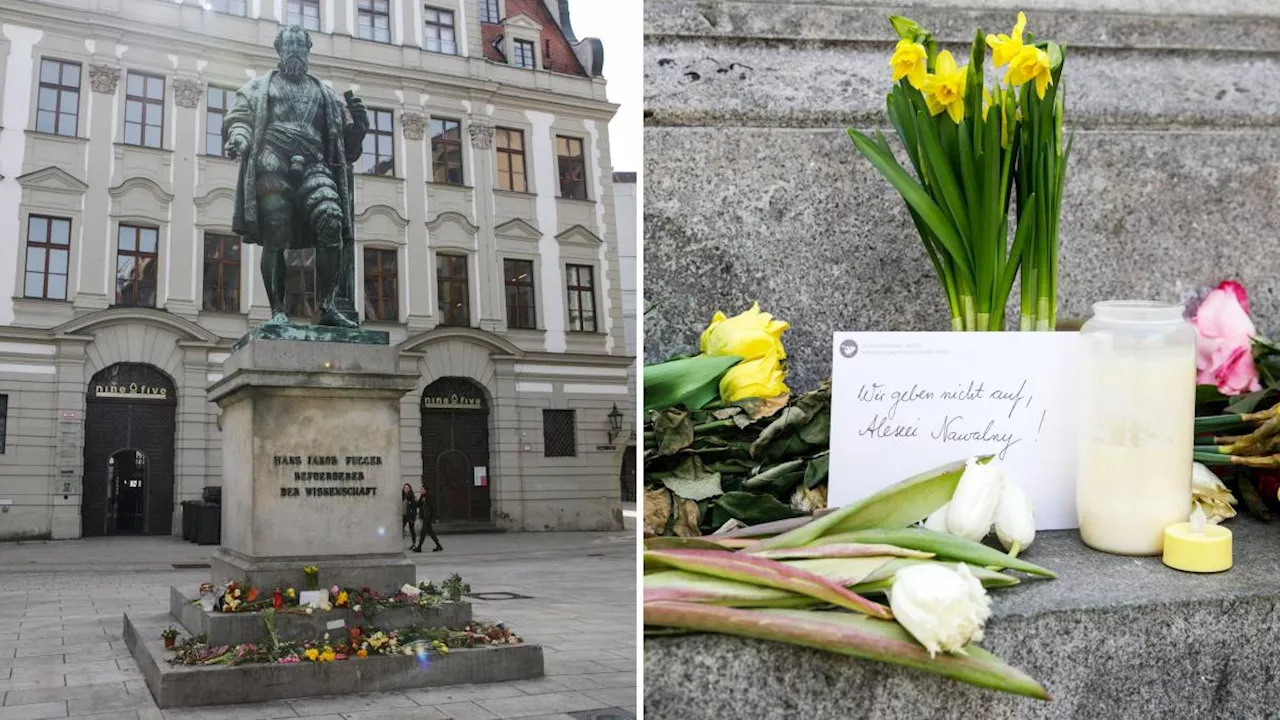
pixel 296 141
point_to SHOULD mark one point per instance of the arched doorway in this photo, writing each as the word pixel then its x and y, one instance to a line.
pixel 128 452
pixel 455 450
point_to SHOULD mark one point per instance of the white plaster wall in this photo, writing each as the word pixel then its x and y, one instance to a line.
pixel 19 75
pixel 544 172
pixel 606 298
pixel 624 208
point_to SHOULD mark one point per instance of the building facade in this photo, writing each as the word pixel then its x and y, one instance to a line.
pixel 487 248
pixel 626 203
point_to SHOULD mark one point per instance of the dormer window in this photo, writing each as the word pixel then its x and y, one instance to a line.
pixel 523 54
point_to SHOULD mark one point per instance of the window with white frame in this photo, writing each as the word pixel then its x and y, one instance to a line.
pixel 440 31
pixel 489 11
pixel 523 54
pixel 303 12
pixel 374 20
pixel 58 109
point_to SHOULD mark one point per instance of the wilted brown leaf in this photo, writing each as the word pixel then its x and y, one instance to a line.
pixel 687 519
pixel 657 511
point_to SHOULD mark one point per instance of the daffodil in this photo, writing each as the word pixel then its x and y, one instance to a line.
pixel 1031 63
pixel 1005 47
pixel 909 60
pixel 749 335
pixel 944 88
pixel 312 654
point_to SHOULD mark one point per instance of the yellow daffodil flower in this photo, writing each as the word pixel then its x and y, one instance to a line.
pixel 750 335
pixel 312 654
pixel 342 598
pixel 944 89
pixel 328 655
pixel 1030 64
pixel 910 61
pixel 759 378
pixel 1005 47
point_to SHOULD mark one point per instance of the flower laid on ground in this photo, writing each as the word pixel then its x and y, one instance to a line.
pixel 943 608
pixel 312 654
pixel 696 382
pixel 1224 341
pixel 973 167
pixel 341 599
pixel 972 510
pixel 312 573
pixel 1015 522
pixel 1211 495
pixel 810 581
pixel 759 378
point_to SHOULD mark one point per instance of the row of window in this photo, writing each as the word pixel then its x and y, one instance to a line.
pixel 559 430
pixel 373 22
pixel 137 255
pixel 58 112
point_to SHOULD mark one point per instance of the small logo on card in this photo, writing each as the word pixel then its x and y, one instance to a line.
pixel 848 348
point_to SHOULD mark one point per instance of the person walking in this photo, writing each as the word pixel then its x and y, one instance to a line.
pixel 427 512
pixel 410 513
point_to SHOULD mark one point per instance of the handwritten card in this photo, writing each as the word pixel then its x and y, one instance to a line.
pixel 904 402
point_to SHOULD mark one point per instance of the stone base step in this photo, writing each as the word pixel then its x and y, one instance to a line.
pixel 174 686
pixel 235 628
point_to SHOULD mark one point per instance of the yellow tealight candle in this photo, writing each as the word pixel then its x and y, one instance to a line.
pixel 1197 546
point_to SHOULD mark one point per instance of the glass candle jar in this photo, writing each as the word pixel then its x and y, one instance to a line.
pixel 1136 425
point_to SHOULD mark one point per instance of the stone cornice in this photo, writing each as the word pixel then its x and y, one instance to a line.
pixel 141 33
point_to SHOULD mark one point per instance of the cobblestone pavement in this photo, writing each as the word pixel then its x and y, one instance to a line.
pixel 62 602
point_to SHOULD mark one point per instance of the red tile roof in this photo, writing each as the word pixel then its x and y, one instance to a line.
pixel 559 58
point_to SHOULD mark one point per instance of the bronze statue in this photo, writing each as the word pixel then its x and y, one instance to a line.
pixel 296 141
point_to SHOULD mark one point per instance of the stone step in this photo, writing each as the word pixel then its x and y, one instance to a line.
pixel 174 686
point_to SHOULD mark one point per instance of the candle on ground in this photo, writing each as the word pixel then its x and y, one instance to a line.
pixel 1197 546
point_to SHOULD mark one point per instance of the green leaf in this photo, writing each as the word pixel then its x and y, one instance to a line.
pixel 897 506
pixel 942 545
pixel 918 198
pixel 692 382
pixel 1247 403
pixel 816 473
pixel 768 475
pixel 674 430
pixel 752 508
pixel 691 480
pixel 1208 394
pixel 818 430
pixel 847 634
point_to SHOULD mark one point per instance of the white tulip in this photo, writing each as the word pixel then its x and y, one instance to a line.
pixel 937 522
pixel 1209 493
pixel 977 496
pixel 1015 519
pixel 943 609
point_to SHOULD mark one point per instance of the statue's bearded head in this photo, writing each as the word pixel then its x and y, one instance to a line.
pixel 293 45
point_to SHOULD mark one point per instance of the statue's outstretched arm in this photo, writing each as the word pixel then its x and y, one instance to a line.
pixel 355 125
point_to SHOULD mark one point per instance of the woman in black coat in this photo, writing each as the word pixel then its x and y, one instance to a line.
pixel 427 513
pixel 409 516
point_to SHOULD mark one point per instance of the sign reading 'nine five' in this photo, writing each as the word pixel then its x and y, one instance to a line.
pixel 903 403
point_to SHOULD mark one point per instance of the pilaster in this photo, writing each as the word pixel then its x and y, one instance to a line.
pixel 184 240
pixel 489 266
pixel 95 254
pixel 418 304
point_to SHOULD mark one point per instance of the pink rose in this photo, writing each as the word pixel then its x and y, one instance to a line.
pixel 1224 341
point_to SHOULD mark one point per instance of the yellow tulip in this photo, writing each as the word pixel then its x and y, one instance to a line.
pixel 1005 47
pixel 750 335
pixel 1030 64
pixel 759 378
pixel 312 654
pixel 944 89
pixel 909 60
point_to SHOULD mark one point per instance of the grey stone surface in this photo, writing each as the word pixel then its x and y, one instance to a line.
pixel 581 607
pixel 187 686
pixel 1113 637
pixel 311 463
pixel 754 191
pixel 262 353
pixel 235 628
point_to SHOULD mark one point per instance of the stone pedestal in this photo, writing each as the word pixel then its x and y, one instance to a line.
pixel 311 460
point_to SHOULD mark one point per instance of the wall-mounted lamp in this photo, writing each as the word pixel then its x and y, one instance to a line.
pixel 615 423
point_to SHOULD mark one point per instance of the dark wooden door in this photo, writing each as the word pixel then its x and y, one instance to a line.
pixel 455 445
pixel 627 476
pixel 130 409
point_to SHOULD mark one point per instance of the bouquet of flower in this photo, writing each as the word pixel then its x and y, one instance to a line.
pixel 1237 410
pixel 971 146
pixel 810 581
pixel 725 440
